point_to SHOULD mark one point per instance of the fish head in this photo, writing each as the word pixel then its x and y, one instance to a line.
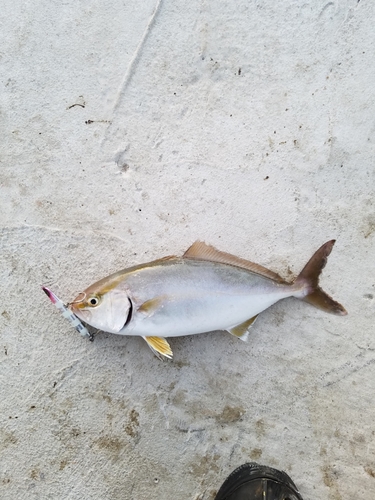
pixel 106 308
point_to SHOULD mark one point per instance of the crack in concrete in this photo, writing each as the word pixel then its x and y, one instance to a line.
pixel 73 231
pixel 350 367
pixel 132 65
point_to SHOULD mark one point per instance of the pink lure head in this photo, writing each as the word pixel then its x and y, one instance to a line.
pixel 52 297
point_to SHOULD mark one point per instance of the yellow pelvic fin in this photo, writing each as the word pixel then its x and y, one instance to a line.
pixel 150 306
pixel 242 331
pixel 201 251
pixel 159 345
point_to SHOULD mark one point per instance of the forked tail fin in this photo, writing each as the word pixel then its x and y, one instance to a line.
pixel 308 280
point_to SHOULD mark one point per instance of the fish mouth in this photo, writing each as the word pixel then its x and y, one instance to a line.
pixel 130 314
pixel 77 308
pixel 82 314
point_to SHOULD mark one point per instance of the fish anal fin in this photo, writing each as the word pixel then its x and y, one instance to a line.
pixel 159 345
pixel 201 251
pixel 242 331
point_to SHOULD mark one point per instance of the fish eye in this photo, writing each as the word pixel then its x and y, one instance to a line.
pixel 93 301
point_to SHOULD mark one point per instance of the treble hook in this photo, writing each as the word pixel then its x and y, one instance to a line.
pixel 78 301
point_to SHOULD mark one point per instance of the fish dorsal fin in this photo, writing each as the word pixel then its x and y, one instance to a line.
pixel 168 257
pixel 201 251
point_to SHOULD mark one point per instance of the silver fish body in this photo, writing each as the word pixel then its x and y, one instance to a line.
pixel 205 290
pixel 214 296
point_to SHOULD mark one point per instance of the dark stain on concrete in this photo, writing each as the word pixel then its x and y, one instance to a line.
pixel 113 445
pixel 181 364
pixel 330 478
pixel 230 414
pixel 132 427
pixel 63 464
pixel 36 475
pixel 205 464
pixel 279 317
pixel 256 453
pixel 107 398
pixel 74 432
pixel 368 226
pixel 211 495
pixel 260 428
pixel 179 398
pixel 7 439
pixel 370 470
pixel 5 315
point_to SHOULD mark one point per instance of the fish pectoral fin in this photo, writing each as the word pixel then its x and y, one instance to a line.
pixel 159 345
pixel 242 331
pixel 150 306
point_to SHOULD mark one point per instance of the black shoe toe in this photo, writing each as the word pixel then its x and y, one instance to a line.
pixel 258 482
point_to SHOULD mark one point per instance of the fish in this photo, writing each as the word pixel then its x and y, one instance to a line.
pixel 204 290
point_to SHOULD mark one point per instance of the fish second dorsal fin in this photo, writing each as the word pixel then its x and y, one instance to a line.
pixel 201 251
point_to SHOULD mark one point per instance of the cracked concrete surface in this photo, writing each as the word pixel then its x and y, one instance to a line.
pixel 129 130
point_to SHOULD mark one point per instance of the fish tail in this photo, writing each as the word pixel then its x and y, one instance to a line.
pixel 307 282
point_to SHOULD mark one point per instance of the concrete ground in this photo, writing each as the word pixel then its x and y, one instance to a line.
pixel 129 130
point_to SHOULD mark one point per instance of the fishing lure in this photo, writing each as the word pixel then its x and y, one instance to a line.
pixel 68 314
